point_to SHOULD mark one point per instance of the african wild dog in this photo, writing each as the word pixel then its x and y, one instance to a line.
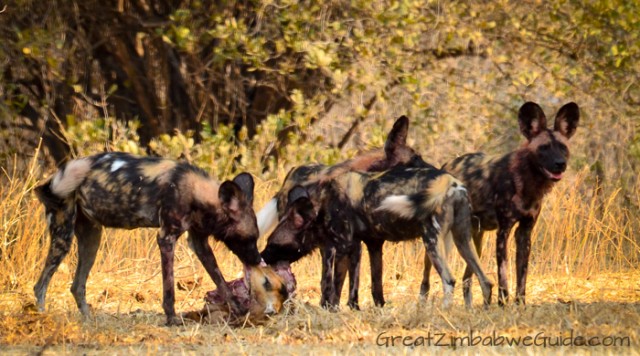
pixel 125 191
pixel 396 205
pixel 508 189
pixel 395 153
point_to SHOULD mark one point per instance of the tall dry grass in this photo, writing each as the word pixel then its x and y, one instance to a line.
pixel 574 236
pixel 583 278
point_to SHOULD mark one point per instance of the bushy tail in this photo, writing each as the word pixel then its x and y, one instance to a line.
pixel 267 216
pixel 55 190
pixel 423 204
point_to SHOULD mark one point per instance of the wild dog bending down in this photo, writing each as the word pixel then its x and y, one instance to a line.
pixel 395 153
pixel 509 188
pixel 124 191
pixel 396 205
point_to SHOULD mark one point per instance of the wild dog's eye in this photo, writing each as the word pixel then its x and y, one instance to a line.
pixel 267 285
pixel 544 148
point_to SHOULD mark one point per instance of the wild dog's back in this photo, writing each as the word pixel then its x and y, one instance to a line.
pixel 411 193
pixel 125 191
pixel 481 175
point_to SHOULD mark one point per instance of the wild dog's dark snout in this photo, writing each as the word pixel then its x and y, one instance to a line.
pixel 292 238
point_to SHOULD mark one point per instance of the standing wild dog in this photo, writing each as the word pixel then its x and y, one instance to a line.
pixel 395 153
pixel 396 205
pixel 508 189
pixel 312 177
pixel 124 191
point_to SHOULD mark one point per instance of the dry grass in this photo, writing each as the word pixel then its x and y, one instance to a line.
pixel 584 279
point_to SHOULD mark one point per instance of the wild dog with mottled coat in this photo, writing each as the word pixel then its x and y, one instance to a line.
pixel 395 152
pixel 508 189
pixel 396 205
pixel 120 190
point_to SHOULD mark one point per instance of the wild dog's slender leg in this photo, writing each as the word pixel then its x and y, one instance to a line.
pixel 340 273
pixel 425 286
pixel 354 275
pixel 327 285
pixel 476 233
pixel 375 258
pixel 167 238
pixel 501 256
pixel 88 234
pixel 461 231
pixel 523 248
pixel 61 230
pixel 430 238
pixel 201 247
pixel 351 263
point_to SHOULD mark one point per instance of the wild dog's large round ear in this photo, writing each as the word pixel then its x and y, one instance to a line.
pixel 297 192
pixel 300 208
pixel 302 212
pixel 397 136
pixel 231 197
pixel 567 119
pixel 245 182
pixel 531 119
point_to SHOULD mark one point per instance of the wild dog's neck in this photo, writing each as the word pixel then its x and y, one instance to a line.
pixel 531 184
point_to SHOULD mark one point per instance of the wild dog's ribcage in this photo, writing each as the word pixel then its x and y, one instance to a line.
pixel 389 226
pixel 120 199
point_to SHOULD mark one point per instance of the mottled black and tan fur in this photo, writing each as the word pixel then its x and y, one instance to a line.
pixel 396 205
pixel 120 190
pixel 395 152
pixel 509 189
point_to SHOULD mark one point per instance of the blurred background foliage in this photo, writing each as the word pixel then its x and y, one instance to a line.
pixel 262 86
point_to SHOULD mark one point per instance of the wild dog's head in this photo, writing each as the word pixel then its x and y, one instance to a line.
pixel 241 233
pixel 549 148
pixel 293 237
pixel 268 289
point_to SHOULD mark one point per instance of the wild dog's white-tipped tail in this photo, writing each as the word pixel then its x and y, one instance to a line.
pixel 400 205
pixel 70 177
pixel 267 216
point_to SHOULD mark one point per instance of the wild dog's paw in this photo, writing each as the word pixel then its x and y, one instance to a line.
pixel 174 321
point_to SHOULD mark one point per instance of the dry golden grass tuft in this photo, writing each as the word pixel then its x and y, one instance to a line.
pixel 584 282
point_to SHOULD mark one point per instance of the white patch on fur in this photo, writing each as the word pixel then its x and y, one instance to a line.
pixel 269 308
pixel 49 219
pixel 67 180
pixel 267 216
pixel 399 205
pixel 435 223
pixel 117 165
pixel 461 188
pixel 104 158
